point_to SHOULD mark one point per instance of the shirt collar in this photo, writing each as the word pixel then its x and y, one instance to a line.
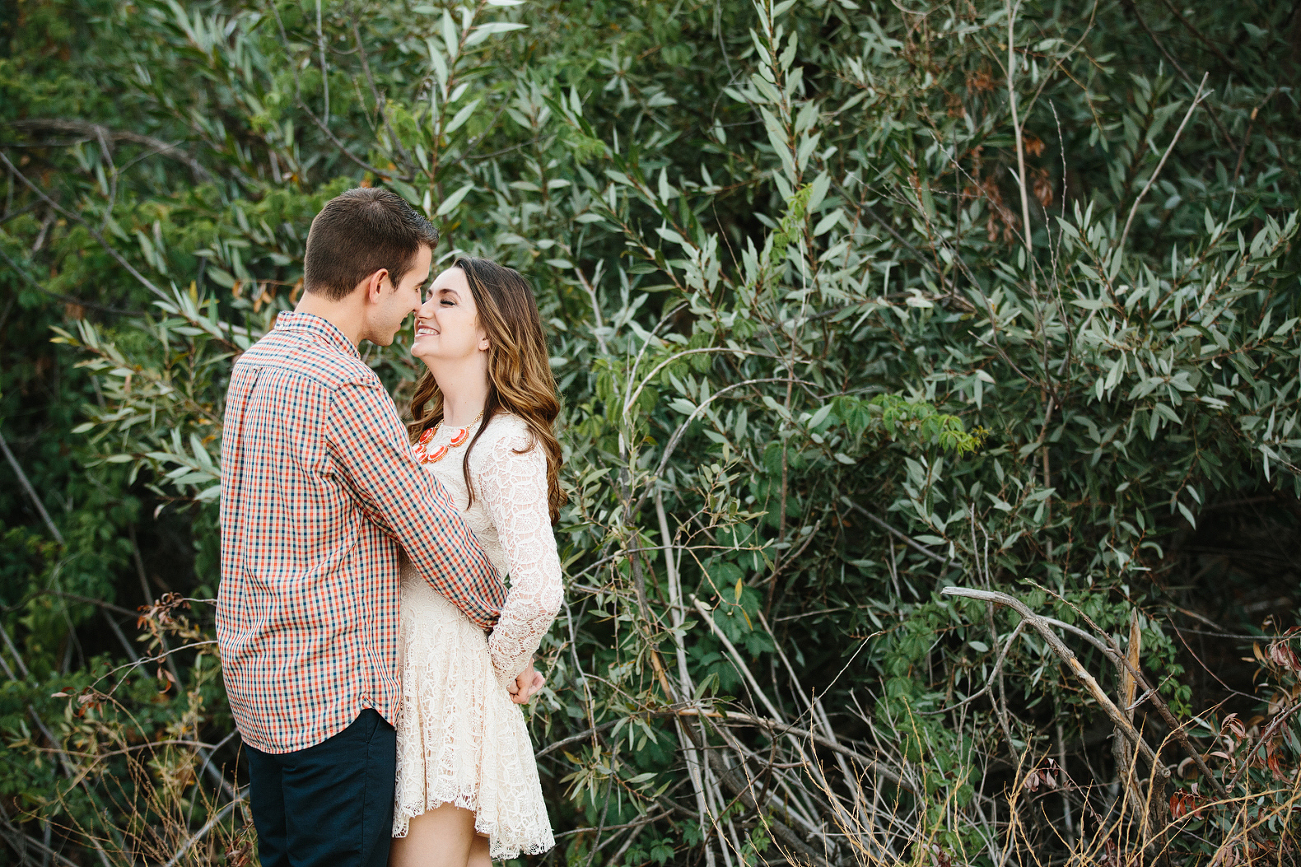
pixel 322 329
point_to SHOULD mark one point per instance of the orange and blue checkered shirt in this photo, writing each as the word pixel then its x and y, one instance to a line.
pixel 319 494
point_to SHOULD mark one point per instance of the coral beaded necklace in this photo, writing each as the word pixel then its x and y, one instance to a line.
pixel 460 436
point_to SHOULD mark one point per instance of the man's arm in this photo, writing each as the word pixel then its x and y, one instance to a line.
pixel 371 451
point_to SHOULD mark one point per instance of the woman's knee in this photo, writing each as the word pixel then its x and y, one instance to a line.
pixel 442 837
pixel 479 852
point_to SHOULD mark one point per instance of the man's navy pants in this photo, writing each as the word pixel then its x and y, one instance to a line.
pixel 330 805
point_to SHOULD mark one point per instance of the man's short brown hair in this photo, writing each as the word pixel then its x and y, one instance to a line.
pixel 356 234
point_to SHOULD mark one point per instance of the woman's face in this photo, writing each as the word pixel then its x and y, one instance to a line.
pixel 447 324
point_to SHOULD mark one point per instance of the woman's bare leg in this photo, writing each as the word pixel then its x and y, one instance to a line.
pixel 443 837
pixel 479 852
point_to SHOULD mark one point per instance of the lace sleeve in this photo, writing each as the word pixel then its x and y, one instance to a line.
pixel 514 491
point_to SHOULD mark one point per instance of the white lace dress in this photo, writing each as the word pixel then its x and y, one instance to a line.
pixel 460 738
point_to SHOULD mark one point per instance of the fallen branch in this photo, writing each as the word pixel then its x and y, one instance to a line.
pixel 1112 649
pixel 1068 656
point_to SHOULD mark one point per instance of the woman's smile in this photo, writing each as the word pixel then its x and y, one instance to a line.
pixel 448 314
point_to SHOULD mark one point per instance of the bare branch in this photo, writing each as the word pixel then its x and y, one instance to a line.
pixel 1068 656
pixel 907 540
pixel 207 826
pixel 325 69
pixel 1197 98
pixel 31 492
pixel 596 311
pixel 1016 130
pixel 67 299
pixel 94 233
pixel 101 133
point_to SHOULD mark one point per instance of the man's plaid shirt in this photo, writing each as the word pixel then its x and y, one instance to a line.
pixel 319 493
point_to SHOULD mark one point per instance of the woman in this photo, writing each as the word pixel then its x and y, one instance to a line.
pixel 467 782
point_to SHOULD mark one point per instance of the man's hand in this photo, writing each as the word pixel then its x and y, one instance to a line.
pixel 526 685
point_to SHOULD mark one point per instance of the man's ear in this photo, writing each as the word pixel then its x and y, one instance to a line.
pixel 375 285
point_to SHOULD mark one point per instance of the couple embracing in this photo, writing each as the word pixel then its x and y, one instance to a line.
pixel 375 660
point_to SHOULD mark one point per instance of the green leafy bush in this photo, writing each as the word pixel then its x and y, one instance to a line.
pixel 848 303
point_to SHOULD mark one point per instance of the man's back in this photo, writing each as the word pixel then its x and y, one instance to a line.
pixel 318 488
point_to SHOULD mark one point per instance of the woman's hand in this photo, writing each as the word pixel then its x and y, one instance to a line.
pixel 526 685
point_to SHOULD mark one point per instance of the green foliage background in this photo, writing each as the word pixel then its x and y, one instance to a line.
pixel 849 302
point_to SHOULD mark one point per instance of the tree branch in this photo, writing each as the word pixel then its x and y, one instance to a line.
pixel 207 826
pixel 1016 130
pixel 31 492
pixel 94 233
pixel 1068 656
pixel 67 299
pixel 907 540
pixel 1129 4
pixel 1151 180
pixel 1195 32
pixel 102 133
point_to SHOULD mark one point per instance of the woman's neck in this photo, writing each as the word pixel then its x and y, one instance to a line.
pixel 465 393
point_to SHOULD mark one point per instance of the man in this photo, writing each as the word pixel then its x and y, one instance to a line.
pixel 319 493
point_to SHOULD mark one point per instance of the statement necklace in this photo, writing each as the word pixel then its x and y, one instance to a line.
pixel 460 436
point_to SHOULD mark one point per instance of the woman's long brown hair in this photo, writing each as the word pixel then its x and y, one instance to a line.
pixel 519 369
